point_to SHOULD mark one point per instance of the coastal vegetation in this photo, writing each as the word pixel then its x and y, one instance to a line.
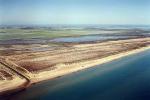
pixel 32 54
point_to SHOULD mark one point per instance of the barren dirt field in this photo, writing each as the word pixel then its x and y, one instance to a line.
pixel 36 62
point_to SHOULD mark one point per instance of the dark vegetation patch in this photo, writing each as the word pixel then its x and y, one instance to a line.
pixel 36 66
pixel 6 74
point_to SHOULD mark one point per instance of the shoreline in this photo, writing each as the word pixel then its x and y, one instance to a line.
pixel 71 68
pixel 64 69
pixel 12 86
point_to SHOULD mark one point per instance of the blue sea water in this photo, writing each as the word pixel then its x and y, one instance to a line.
pixel 127 78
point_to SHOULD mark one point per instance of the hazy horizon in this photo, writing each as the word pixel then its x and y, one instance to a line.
pixel 74 12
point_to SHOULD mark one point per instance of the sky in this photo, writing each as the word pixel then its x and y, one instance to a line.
pixel 43 12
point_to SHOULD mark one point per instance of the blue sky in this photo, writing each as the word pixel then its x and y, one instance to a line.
pixel 74 12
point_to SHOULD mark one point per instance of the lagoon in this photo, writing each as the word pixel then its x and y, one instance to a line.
pixel 90 38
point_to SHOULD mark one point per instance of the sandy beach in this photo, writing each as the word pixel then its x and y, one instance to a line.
pixel 25 69
pixel 70 68
pixel 16 83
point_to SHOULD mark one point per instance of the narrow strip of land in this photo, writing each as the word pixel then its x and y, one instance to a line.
pixel 28 80
pixel 35 66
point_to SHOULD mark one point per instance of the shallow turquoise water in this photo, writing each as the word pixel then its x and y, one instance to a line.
pixel 127 78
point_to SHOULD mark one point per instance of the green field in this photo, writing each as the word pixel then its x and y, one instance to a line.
pixel 42 33
pixel 6 34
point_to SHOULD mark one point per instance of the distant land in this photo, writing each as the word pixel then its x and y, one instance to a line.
pixel 31 54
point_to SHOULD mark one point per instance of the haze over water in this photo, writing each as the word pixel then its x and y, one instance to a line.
pixel 127 78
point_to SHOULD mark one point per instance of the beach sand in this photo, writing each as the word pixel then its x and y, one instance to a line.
pixel 32 65
pixel 70 68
